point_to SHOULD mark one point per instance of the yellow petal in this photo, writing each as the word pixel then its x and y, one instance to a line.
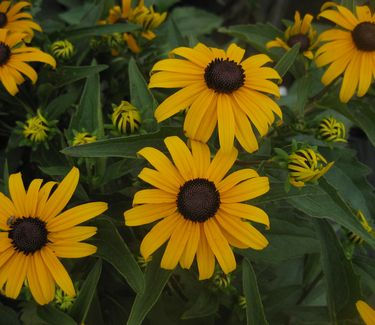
pixel 205 257
pixel 17 273
pixel 236 177
pixel 18 194
pixel 221 164
pixel 187 257
pixel 246 190
pixel 226 123
pixel 246 211
pixel 147 213
pixel 154 196
pixel 366 312
pixel 71 249
pixel 31 201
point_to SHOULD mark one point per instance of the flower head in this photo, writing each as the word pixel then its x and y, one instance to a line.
pixel 36 128
pixel 198 209
pixel 35 233
pixel 366 312
pixel 13 57
pixel 126 118
pixel 331 130
pixel 83 138
pixel 349 50
pixel 14 20
pixel 300 32
pixel 306 165
pixel 362 219
pixel 219 87
pixel 62 49
pixel 63 301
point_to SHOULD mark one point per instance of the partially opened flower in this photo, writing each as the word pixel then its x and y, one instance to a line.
pixel 83 138
pixel 35 233
pixel 198 209
pixel 126 118
pixel 219 87
pixel 366 312
pixel 332 130
pixel 348 50
pixel 36 128
pixel 306 165
pixel 62 49
pixel 13 19
pixel 13 57
pixel 300 32
pixel 354 238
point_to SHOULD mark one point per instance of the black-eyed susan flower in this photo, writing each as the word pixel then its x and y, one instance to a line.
pixel 348 50
pixel 62 49
pixel 15 20
pixel 366 312
pixel 83 138
pixel 219 87
pixel 355 239
pixel 300 32
pixel 35 233
pixel 332 130
pixel 36 128
pixel 13 57
pixel 306 165
pixel 126 118
pixel 198 209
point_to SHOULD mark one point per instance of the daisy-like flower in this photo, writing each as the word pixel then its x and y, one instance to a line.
pixel 83 138
pixel 35 233
pixel 331 130
pixel 62 49
pixel 366 312
pixel 13 57
pixel 300 32
pixel 13 19
pixel 126 118
pixel 198 209
pixel 348 50
pixel 306 165
pixel 36 128
pixel 219 88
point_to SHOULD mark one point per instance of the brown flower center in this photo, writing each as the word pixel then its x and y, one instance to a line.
pixel 364 36
pixel 303 40
pixel 28 235
pixel 4 53
pixel 3 19
pixel 198 200
pixel 224 76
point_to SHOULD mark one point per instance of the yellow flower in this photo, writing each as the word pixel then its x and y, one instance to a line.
pixel 306 165
pixel 36 128
pixel 331 130
pixel 198 210
pixel 126 118
pixel 362 219
pixel 83 138
pixel 219 88
pixel 15 21
pixel 13 57
pixel 349 50
pixel 300 32
pixel 366 312
pixel 62 49
pixel 35 233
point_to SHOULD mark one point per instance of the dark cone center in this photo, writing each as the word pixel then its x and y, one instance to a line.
pixel 224 76
pixel 303 40
pixel 3 19
pixel 28 235
pixel 4 53
pixel 364 36
pixel 198 200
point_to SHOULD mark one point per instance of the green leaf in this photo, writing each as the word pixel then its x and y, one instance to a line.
pixel 54 316
pixel 88 115
pixel 304 92
pixel 365 267
pixel 99 30
pixel 254 307
pixel 256 35
pixel 342 283
pixel 8 316
pixel 127 146
pixel 156 279
pixel 287 60
pixel 82 304
pixel 113 249
pixel 60 104
pixel 66 75
pixel 141 97
pixel 206 304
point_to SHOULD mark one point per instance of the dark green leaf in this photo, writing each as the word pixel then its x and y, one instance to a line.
pixel 8 316
pixel 141 97
pixel 82 304
pixel 100 30
pixel 123 146
pixel 54 316
pixel 112 248
pixel 254 307
pixel 342 283
pixel 365 267
pixel 59 105
pixel 206 304
pixel 156 279
pixel 69 74
pixel 287 60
